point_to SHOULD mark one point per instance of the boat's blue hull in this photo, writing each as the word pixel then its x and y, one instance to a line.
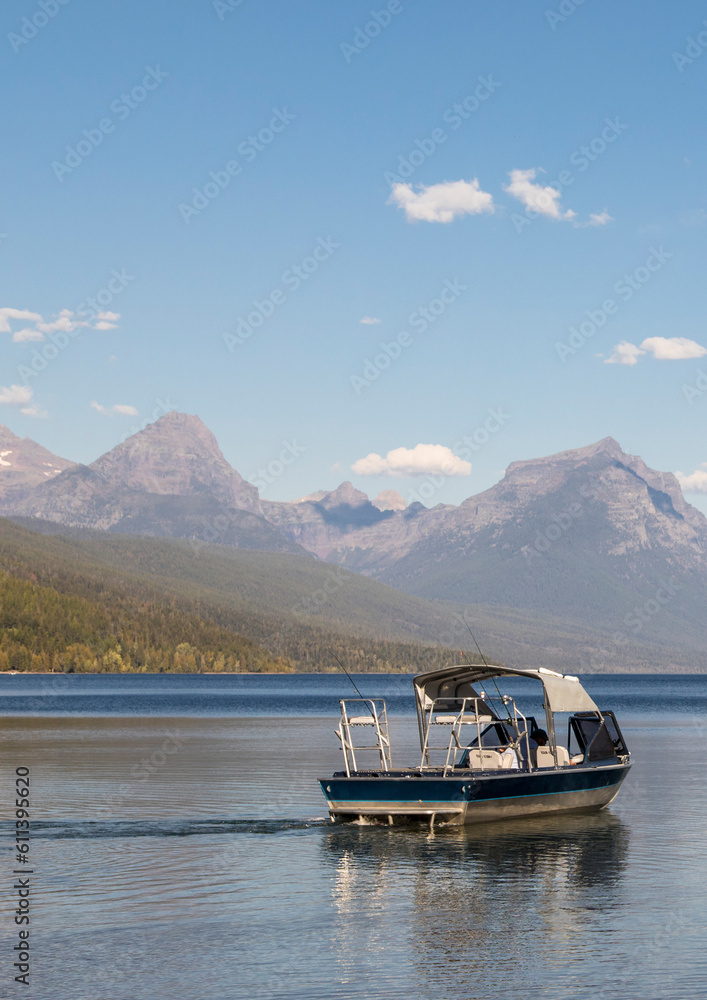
pixel 471 798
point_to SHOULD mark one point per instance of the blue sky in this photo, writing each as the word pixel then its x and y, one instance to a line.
pixel 300 118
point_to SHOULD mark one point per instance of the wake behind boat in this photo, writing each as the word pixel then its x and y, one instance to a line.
pixel 482 759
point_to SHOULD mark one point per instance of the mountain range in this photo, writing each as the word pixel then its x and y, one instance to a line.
pixel 589 541
pixel 169 479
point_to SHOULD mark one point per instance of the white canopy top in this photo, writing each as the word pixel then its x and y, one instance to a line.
pixel 563 692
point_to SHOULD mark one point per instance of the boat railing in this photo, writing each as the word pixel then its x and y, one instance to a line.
pixel 474 712
pixel 369 713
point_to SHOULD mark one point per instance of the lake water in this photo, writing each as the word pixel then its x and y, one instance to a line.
pixel 180 849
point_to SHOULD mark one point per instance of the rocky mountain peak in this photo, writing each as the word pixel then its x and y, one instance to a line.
pixel 25 464
pixel 185 431
pixel 610 473
pixel 176 455
pixel 344 495
pixel 607 445
pixel 534 468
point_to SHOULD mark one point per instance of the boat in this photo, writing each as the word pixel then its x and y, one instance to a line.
pixel 482 759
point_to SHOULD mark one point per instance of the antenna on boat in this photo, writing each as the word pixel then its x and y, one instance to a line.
pixel 483 658
pixel 468 628
pixel 331 651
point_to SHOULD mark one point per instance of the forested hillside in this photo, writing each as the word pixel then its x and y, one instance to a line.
pixel 170 605
pixel 42 629
pixel 97 605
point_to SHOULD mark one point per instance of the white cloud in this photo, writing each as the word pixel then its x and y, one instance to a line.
pixel 544 200
pixel 624 354
pixel 441 202
pixel 22 336
pixel 16 395
pixel 673 348
pixel 369 320
pixel 696 482
pixel 122 408
pixel 66 321
pixel 598 219
pixel 422 460
pixel 21 395
pixel 33 410
pixel 8 314
pixel 662 349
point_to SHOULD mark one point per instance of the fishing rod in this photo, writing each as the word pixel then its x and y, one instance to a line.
pixel 364 700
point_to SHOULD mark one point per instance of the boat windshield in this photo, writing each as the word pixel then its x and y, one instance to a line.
pixel 599 739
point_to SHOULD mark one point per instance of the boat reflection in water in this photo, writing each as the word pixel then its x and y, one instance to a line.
pixel 482 758
pixel 483 904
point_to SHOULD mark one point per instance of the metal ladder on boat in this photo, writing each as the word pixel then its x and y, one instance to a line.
pixel 375 716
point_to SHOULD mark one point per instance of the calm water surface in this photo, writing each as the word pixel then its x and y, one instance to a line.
pixel 182 850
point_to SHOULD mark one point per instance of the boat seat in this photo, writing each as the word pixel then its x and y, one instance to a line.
pixel 361 720
pixel 485 760
pixel 547 759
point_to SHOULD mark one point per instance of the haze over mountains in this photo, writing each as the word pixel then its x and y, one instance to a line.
pixel 591 537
